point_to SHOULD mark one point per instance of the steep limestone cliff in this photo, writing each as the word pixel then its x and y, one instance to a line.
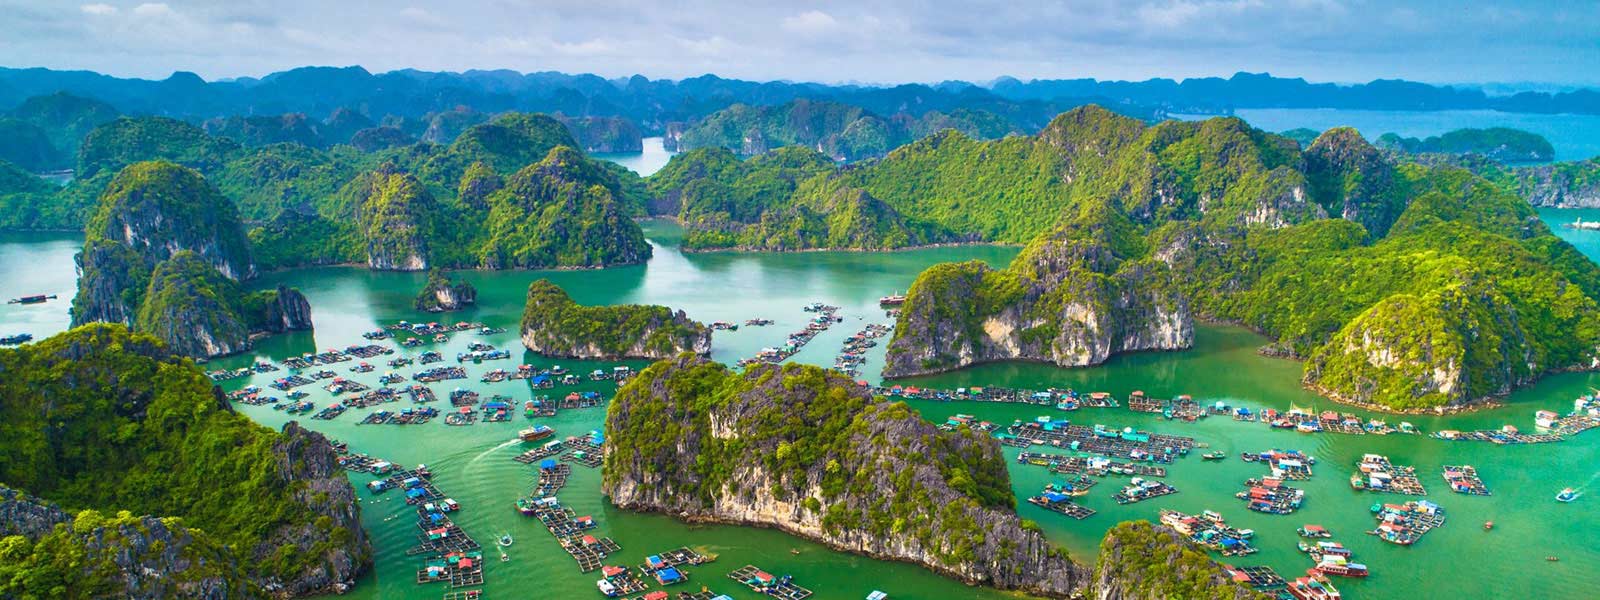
pixel 1573 184
pixel 100 418
pixel 1072 299
pixel 554 325
pixel 165 254
pixel 809 452
pixel 1350 178
pixel 395 215
pixel 1443 349
pixel 1141 561
pixel 442 294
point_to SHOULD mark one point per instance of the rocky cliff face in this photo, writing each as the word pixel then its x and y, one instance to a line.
pixel 126 557
pixel 307 463
pixel 1457 345
pixel 1069 300
pixel 1143 561
pixel 288 311
pixel 1562 185
pixel 690 439
pixel 1350 178
pixel 395 216
pixel 554 325
pixel 442 294
pixel 106 270
pixel 159 209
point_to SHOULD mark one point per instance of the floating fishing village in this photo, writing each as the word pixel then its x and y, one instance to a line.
pixel 1076 455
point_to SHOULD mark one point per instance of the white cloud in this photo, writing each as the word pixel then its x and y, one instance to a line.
pixel 99 10
pixel 1181 12
pixel 811 22
pixel 421 16
pixel 153 9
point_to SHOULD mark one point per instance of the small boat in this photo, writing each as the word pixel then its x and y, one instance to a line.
pixel 892 300
pixel 505 539
pixel 1487 525
pixel 1567 495
pixel 1218 455
pixel 536 433
pixel 36 299
pixel 504 557
pixel 794 551
pixel 1551 558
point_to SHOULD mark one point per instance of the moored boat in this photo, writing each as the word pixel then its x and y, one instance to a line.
pixel 536 433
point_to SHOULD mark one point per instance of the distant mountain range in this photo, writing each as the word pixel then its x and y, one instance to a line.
pixel 318 91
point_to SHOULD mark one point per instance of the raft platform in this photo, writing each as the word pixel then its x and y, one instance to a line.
pixel 765 583
pixel 1261 579
pixel 1377 474
pixel 551 480
pixel 1065 507
pixel 1105 441
pixel 1463 479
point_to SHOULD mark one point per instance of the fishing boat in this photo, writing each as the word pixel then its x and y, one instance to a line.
pixel 892 300
pixel 1487 525
pixel 36 299
pixel 1568 495
pixel 1337 565
pixel 536 433
pixel 528 506
pixel 503 556
pixel 1314 531
pixel 505 539
pixel 1218 455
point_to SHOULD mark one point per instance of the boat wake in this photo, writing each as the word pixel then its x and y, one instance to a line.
pixel 480 456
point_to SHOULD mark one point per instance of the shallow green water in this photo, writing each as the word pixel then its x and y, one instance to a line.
pixel 473 463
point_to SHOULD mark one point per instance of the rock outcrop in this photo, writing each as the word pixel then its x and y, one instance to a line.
pixel 554 325
pixel 1139 560
pixel 1441 350
pixel 111 418
pixel 1562 185
pixel 807 451
pixel 1073 300
pixel 562 211
pixel 165 253
pixel 125 556
pixel 307 464
pixel 395 216
pixel 1350 178
pixel 442 294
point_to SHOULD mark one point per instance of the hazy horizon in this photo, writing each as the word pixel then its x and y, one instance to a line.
pixel 1536 44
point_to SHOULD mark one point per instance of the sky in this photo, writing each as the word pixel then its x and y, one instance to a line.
pixel 884 41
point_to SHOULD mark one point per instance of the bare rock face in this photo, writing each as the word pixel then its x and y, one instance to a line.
pixel 1067 301
pixel 307 461
pixel 136 557
pixel 691 439
pixel 289 311
pixel 554 325
pixel 441 294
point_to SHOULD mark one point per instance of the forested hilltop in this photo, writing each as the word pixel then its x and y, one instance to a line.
pixel 808 451
pixel 1401 286
pixel 841 131
pixel 512 192
pixel 125 474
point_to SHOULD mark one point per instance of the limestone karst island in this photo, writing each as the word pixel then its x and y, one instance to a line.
pixel 1080 300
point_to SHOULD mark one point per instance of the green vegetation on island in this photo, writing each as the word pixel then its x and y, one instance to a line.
pixel 442 293
pixel 555 325
pixel 788 199
pixel 1428 287
pixel 165 254
pixel 837 130
pixel 809 451
pixel 109 424
pixel 1502 144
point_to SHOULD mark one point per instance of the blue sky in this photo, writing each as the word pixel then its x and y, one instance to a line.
pixel 870 41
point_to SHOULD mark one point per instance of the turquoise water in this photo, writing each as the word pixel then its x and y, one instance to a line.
pixel 473 463
pixel 649 160
pixel 1575 137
